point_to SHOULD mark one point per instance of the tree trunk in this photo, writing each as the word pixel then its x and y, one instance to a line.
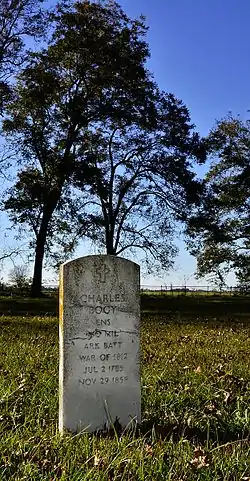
pixel 36 288
pixel 49 208
pixel 110 242
pixel 109 247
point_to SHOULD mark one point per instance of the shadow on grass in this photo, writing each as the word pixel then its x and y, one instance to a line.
pixel 212 309
pixel 24 306
pixel 196 435
pixel 174 433
pixel 191 308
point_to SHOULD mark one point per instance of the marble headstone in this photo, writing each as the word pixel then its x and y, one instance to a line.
pixel 99 378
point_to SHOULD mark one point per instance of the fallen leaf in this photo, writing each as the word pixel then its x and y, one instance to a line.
pixel 211 407
pixel 201 460
pixel 198 369
pixel 198 452
pixel 98 461
pixel 204 462
pixel 228 397
pixel 149 449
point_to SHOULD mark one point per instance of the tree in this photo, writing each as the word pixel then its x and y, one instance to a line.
pixel 221 226
pixel 93 70
pixel 8 254
pixel 142 182
pixel 19 19
pixel 25 204
pixel 19 278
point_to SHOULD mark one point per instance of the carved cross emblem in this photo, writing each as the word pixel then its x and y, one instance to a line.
pixel 101 273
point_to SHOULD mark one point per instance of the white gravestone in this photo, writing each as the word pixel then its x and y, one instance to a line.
pixel 99 378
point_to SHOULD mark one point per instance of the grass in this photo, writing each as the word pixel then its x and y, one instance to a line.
pixel 195 400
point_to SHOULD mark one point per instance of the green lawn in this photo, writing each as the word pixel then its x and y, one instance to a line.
pixel 195 399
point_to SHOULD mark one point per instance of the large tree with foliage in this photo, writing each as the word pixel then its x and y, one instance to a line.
pixel 93 70
pixel 143 182
pixel 221 227
pixel 19 20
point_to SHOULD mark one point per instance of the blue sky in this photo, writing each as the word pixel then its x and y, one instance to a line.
pixel 200 51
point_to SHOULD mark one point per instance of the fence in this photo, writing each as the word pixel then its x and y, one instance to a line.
pixel 185 290
pixel 169 290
